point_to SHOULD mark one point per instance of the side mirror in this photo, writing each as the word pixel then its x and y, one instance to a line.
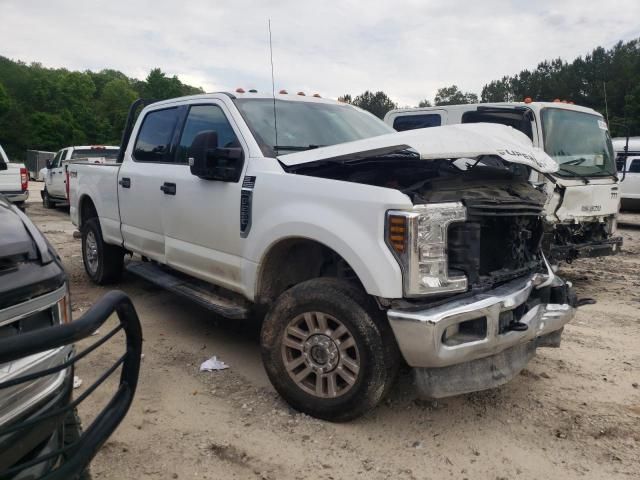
pixel 209 162
pixel 48 164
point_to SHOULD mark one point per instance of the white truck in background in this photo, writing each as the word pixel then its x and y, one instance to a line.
pixel 54 174
pixel 628 161
pixel 363 246
pixel 14 180
pixel 583 195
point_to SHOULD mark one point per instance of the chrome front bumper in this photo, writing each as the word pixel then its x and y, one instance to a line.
pixel 424 336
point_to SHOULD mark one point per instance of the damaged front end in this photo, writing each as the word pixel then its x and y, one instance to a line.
pixel 479 295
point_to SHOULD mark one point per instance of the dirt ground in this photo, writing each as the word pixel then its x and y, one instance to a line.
pixel 573 413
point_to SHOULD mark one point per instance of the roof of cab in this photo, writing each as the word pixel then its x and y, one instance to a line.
pixel 532 105
pixel 293 97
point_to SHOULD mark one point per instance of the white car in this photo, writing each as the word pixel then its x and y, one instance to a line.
pixel 14 180
pixel 362 245
pixel 55 190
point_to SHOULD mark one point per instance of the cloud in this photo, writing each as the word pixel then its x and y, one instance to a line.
pixel 408 48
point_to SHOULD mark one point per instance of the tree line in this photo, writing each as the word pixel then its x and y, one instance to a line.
pixel 46 109
pixel 606 80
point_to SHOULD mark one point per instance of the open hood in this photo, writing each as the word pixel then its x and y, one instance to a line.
pixel 450 141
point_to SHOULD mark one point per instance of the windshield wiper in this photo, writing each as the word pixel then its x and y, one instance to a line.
pixel 296 148
pixel 575 161
pixel 574 174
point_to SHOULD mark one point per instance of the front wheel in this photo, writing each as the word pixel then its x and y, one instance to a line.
pixel 328 350
pixel 46 200
pixel 102 262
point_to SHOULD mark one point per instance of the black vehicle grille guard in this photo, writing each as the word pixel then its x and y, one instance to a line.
pixel 79 454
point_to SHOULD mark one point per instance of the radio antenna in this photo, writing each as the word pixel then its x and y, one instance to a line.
pixel 273 88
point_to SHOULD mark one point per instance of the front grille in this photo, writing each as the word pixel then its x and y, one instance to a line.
pixel 29 323
pixel 494 249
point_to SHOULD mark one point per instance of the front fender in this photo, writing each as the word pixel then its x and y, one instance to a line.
pixel 346 217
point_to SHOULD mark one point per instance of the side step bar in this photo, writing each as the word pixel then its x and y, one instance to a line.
pixel 198 291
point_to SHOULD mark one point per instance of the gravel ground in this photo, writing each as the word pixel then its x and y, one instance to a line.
pixel 573 413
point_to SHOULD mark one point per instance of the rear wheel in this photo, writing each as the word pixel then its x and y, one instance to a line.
pixel 102 262
pixel 46 200
pixel 328 350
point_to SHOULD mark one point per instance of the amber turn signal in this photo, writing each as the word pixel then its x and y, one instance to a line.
pixel 397 233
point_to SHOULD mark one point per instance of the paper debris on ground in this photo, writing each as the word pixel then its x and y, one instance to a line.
pixel 213 364
pixel 77 381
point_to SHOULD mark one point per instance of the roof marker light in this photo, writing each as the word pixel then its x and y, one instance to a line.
pixel 317 95
pixel 557 100
pixel 283 92
pixel 301 93
pixel 253 90
pixel 239 90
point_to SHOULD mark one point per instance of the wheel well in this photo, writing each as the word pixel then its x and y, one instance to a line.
pixel 87 210
pixel 295 260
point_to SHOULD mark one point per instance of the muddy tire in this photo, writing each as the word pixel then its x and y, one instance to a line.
pixel 328 350
pixel 46 200
pixel 102 262
pixel 72 433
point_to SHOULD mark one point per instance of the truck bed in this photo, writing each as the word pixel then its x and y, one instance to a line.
pixel 98 181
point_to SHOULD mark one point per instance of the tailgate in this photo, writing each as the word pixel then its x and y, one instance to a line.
pixel 10 178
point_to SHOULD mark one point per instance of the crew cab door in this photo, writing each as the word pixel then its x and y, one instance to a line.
pixel 55 175
pixel 201 217
pixel 145 167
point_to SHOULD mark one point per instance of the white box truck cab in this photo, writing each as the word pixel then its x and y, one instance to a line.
pixel 583 195
pixel 361 245
pixel 628 161
pixel 55 175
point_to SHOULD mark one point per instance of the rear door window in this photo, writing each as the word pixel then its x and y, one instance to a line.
pixel 412 122
pixel 635 166
pixel 154 138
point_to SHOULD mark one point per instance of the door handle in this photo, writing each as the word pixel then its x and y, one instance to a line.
pixel 125 182
pixel 168 188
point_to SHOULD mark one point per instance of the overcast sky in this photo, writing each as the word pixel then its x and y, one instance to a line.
pixel 408 48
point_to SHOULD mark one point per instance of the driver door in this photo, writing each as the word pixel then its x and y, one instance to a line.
pixel 201 218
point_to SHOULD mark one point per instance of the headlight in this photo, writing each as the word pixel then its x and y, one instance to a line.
pixel 418 239
pixel 62 310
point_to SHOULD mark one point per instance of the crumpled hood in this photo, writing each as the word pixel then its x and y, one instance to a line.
pixel 451 141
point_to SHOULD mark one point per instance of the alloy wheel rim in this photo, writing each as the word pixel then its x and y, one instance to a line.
pixel 91 252
pixel 320 355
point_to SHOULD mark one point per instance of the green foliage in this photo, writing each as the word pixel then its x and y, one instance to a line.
pixel 454 96
pixel 424 103
pixel 583 82
pixel 377 103
pixel 47 109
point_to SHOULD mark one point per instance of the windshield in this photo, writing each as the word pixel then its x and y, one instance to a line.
pixel 579 142
pixel 109 153
pixel 305 125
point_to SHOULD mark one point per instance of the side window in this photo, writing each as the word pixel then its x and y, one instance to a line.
pixel 202 121
pixel 56 160
pixel 411 122
pixel 154 138
pixel 635 166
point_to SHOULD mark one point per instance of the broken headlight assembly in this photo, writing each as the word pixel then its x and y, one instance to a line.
pixel 418 239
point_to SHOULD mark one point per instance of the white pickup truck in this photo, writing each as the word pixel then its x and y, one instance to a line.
pixel 55 173
pixel 362 245
pixel 14 180
pixel 583 194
